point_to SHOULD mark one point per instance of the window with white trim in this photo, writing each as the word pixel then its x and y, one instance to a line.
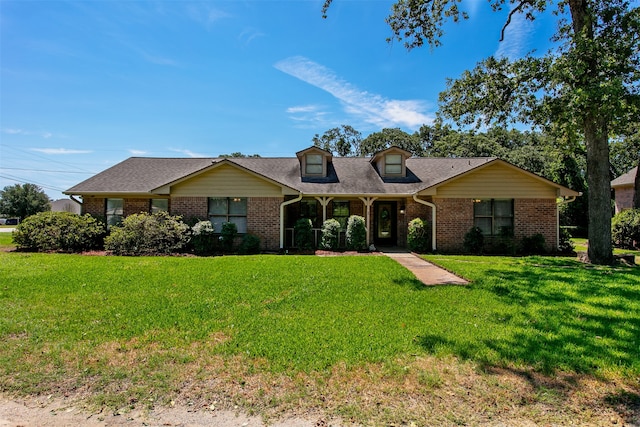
pixel 494 216
pixel 228 209
pixel 313 164
pixel 393 164
pixel 114 211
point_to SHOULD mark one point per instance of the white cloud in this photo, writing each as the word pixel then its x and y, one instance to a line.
pixel 188 153
pixel 516 37
pixel 205 14
pixel 56 151
pixel 137 152
pixel 12 131
pixel 250 34
pixel 372 108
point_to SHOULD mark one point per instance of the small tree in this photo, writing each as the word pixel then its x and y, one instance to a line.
pixel 356 233
pixel 418 236
pixel 23 200
pixel 303 233
pixel 330 234
pixel 203 237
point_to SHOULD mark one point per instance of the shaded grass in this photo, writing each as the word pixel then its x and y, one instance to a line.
pixel 357 335
pixel 6 240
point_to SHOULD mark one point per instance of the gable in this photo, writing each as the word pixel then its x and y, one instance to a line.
pixel 224 181
pixel 497 180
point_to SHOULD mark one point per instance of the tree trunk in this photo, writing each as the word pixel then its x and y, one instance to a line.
pixel 597 141
pixel 636 189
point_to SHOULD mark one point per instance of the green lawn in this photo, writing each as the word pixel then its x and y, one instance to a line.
pixel 125 328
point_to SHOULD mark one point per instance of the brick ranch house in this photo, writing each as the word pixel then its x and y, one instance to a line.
pixel 266 196
pixel 623 189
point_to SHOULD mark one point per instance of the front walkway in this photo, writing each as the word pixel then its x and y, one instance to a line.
pixel 427 273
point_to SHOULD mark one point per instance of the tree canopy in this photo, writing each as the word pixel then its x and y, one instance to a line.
pixel 23 200
pixel 585 88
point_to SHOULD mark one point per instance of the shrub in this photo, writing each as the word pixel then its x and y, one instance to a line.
pixel 474 240
pixel 419 235
pixel 228 235
pixel 533 245
pixel 565 245
pixel 203 239
pixel 356 233
pixel 330 234
pixel 250 244
pixel 59 231
pixel 303 233
pixel 625 229
pixel 147 234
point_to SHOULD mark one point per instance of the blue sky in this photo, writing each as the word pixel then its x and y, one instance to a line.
pixel 86 84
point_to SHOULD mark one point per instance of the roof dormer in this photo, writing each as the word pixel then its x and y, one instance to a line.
pixel 314 162
pixel 391 163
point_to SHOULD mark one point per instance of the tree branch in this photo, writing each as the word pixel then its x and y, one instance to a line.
pixel 513 12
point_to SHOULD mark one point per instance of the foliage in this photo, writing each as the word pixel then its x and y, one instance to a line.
pixel 238 154
pixel 330 234
pixel 533 245
pixel 473 241
pixel 419 235
pixel 303 232
pixel 250 245
pixel 228 235
pixel 23 200
pixel 147 234
pixel 203 239
pixel 59 231
pixel 356 233
pixel 342 141
pixel 565 244
pixel 379 141
pixel 625 229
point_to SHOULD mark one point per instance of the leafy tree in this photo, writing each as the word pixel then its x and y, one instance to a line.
pixel 23 200
pixel 585 88
pixel 343 141
pixel 388 137
pixel 238 154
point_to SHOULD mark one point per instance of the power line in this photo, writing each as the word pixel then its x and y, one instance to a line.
pixel 43 170
pixel 24 181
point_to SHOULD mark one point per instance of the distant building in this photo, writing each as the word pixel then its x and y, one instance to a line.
pixel 623 188
pixel 66 205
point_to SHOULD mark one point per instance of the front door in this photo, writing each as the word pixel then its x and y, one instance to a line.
pixel 385 223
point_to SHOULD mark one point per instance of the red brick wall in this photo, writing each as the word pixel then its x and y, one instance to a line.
pixel 454 218
pixel 533 216
pixel 93 206
pixel 190 207
pixel 263 220
pixel 412 210
pixel 135 206
pixel 624 198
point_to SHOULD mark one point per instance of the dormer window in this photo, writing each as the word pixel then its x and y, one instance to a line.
pixel 314 164
pixel 393 164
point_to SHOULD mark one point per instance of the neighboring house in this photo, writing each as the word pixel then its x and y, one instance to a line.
pixel 66 205
pixel 623 189
pixel 266 196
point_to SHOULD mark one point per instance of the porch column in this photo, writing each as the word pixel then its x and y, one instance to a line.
pixel 368 202
pixel 324 201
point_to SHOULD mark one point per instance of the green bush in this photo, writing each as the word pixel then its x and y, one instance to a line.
pixel 147 234
pixel 228 235
pixel 474 241
pixel 59 231
pixel 565 245
pixel 303 233
pixel 250 244
pixel 330 235
pixel 356 233
pixel 625 229
pixel 533 245
pixel 419 235
pixel 203 238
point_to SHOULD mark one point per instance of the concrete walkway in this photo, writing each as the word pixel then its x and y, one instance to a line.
pixel 424 271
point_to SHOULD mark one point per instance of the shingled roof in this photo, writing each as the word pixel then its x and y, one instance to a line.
pixel 348 175
pixel 628 179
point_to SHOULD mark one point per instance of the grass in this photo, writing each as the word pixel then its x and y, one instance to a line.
pixel 357 336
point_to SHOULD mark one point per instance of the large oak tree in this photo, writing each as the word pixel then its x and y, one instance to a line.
pixel 582 89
